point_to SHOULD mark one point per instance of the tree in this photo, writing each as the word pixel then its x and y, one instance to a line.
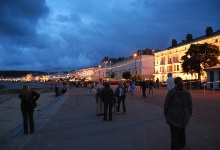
pixel 113 75
pixel 135 77
pixel 126 75
pixel 200 56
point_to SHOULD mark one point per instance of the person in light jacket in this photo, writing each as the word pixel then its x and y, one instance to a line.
pixel 170 81
pixel 177 110
pixel 99 103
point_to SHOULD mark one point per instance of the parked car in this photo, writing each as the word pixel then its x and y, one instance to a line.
pixel 163 84
pixel 113 82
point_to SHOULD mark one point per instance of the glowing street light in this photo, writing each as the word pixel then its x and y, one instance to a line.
pixel 135 58
pixel 99 71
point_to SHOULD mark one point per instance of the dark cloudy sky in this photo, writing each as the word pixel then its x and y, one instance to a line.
pixel 55 35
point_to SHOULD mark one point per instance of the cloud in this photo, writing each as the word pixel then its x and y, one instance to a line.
pixel 72 34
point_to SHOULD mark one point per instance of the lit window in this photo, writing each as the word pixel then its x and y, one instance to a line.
pixel 177 67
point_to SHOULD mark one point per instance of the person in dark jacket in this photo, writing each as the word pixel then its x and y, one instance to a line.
pixel 177 110
pixel 151 88
pixel 143 87
pixel 57 93
pixel 28 103
pixel 120 93
pixel 107 98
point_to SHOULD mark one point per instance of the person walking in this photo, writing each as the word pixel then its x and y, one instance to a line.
pixel 126 85
pixel 107 98
pixel 132 88
pixel 89 88
pixel 170 81
pixel 28 103
pixel 143 87
pixel 157 83
pixel 177 110
pixel 57 93
pixel 151 87
pixel 120 94
pixel 99 103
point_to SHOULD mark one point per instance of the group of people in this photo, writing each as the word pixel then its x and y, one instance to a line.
pixel 106 98
pixel 60 91
pixel 147 84
pixel 177 106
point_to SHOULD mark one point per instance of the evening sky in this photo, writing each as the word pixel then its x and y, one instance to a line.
pixel 58 35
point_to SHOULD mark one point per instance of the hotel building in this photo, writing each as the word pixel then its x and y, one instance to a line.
pixel 141 62
pixel 169 60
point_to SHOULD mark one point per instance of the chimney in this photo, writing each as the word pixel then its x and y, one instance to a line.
pixel 147 52
pixel 209 31
pixel 189 38
pixel 174 42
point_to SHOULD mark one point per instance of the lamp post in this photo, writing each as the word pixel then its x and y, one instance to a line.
pixel 135 58
pixel 99 71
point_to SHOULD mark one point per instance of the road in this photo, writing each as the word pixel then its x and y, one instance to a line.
pixel 74 124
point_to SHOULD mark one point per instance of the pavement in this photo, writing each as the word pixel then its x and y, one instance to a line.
pixel 70 123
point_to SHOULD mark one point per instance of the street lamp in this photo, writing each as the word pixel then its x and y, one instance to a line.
pixel 135 58
pixel 99 71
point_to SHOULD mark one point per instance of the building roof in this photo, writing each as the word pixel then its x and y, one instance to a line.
pixel 214 67
pixel 194 40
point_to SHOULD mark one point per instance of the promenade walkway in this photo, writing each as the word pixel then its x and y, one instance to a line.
pixel 71 124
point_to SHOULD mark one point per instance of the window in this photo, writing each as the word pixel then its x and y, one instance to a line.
pixel 177 68
pixel 162 69
pixel 162 61
pixel 170 61
pixel 169 68
pixel 175 59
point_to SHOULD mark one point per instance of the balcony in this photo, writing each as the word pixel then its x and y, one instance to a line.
pixel 169 62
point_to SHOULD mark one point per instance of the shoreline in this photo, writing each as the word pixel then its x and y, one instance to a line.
pixel 11 117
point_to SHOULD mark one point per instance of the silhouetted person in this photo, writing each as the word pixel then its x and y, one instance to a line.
pixel 157 83
pixel 107 98
pixel 143 88
pixel 56 91
pixel 178 109
pixel 151 88
pixel 28 103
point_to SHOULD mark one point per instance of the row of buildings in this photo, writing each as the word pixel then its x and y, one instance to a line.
pixel 152 64
pixel 149 64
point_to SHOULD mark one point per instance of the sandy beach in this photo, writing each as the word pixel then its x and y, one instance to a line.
pixel 11 117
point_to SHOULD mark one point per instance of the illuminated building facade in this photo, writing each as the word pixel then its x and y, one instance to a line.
pixel 92 73
pixel 169 60
pixel 213 77
pixel 141 62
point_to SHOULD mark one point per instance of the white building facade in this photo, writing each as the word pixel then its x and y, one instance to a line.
pixel 92 73
pixel 142 64
pixel 169 60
